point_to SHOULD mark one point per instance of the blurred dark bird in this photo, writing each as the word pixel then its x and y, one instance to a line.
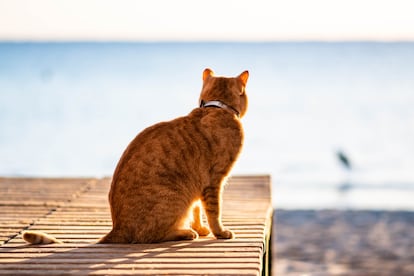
pixel 344 159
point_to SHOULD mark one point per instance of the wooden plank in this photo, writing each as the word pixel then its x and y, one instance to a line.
pixel 81 216
pixel 133 271
pixel 24 201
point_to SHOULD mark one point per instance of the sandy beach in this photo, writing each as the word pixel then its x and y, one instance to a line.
pixel 334 242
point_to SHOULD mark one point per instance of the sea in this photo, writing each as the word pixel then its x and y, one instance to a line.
pixel 331 122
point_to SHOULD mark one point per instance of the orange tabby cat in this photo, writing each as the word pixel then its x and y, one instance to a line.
pixel 172 165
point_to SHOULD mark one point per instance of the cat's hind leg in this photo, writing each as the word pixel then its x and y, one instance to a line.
pixel 114 237
pixel 180 234
pixel 197 223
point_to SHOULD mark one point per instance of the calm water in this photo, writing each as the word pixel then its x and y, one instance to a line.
pixel 70 109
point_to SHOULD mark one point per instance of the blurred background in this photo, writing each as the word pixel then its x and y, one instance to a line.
pixel 331 89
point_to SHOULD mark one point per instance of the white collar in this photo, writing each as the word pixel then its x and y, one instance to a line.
pixel 219 104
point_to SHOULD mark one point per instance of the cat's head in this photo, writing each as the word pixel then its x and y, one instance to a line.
pixel 230 91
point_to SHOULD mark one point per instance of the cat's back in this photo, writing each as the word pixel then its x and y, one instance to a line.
pixel 176 144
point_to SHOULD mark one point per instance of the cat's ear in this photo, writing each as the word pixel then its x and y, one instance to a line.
pixel 244 77
pixel 207 73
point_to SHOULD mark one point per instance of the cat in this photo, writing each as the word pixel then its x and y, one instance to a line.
pixel 173 169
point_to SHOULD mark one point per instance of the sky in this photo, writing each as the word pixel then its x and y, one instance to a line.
pixel 213 20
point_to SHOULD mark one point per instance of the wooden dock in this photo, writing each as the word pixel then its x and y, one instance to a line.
pixel 76 211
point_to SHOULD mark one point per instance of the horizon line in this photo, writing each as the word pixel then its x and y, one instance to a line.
pixel 195 41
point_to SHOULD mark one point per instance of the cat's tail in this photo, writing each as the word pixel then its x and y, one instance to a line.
pixel 35 237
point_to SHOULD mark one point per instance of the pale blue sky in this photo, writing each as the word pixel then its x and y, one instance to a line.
pixel 259 20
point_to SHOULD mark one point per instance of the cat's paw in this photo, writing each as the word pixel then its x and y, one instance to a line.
pixel 187 235
pixel 225 234
pixel 202 231
pixel 182 234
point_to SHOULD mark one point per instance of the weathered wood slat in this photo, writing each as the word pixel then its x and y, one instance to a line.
pixel 133 271
pixel 76 211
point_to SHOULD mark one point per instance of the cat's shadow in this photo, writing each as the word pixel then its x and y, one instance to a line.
pixel 205 253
